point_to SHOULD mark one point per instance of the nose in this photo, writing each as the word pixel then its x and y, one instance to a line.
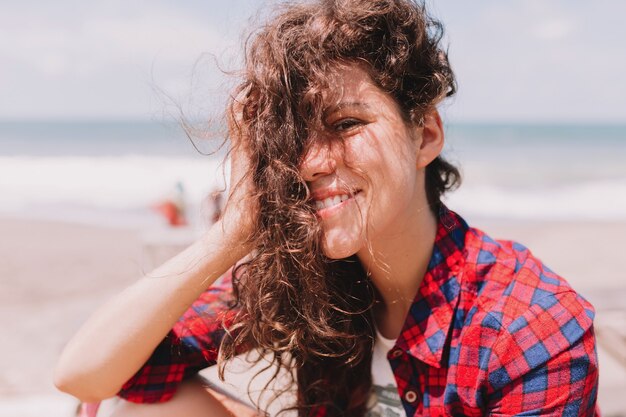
pixel 319 160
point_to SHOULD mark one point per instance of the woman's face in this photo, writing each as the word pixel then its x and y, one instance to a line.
pixel 365 175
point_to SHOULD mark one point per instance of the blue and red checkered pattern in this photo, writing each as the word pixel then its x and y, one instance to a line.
pixel 491 331
pixel 190 346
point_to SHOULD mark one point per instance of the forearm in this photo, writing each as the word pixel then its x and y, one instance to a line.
pixel 118 339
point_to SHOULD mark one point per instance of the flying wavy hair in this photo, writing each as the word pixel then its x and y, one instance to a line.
pixel 312 315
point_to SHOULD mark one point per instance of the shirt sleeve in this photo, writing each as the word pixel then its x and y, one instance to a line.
pixel 190 346
pixel 544 363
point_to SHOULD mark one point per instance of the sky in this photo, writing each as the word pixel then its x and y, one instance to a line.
pixel 516 61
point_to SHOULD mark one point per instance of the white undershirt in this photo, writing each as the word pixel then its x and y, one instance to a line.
pixel 384 400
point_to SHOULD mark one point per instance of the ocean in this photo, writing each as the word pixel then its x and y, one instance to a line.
pixel 113 173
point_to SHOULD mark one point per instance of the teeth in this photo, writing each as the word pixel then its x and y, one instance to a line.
pixel 330 201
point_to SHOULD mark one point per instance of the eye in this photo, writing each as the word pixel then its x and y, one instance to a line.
pixel 349 123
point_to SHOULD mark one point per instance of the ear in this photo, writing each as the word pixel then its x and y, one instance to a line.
pixel 432 139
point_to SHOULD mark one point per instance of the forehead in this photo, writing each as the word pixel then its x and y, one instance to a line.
pixel 352 84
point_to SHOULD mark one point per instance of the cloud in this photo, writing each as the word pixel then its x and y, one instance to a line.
pixel 520 59
pixel 82 62
pixel 537 60
pixel 60 46
pixel 554 29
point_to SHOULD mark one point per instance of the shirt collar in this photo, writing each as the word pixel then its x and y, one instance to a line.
pixel 428 323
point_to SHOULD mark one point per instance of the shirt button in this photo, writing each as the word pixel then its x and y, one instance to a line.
pixel 396 352
pixel 410 396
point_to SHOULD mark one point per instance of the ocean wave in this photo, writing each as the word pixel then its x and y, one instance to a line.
pixel 116 182
pixel 598 200
pixel 127 186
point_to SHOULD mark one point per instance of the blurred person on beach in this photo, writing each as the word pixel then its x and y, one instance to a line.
pixel 335 255
pixel 173 208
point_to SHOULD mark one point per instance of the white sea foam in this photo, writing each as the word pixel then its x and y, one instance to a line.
pixel 121 189
pixel 598 200
pixel 81 187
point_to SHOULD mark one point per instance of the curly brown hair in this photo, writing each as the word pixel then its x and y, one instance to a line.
pixel 310 313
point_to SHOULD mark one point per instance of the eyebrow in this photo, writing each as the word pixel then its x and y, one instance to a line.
pixel 345 104
pixel 348 104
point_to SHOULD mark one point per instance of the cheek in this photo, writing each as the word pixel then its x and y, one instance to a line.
pixel 392 193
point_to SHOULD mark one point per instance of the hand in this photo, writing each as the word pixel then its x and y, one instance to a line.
pixel 241 209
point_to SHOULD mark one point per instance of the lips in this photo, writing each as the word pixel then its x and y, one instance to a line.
pixel 330 201
pixel 330 198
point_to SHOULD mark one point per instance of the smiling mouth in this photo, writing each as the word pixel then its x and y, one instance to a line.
pixel 333 201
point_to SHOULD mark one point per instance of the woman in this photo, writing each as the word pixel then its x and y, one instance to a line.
pixel 354 275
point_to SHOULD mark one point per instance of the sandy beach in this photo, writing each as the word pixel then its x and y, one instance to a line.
pixel 53 275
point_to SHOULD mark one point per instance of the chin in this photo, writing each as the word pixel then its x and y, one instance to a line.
pixel 339 247
pixel 338 254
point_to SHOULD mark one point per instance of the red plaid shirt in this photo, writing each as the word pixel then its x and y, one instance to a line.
pixel 491 331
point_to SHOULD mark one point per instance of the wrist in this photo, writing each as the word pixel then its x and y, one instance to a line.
pixel 229 239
